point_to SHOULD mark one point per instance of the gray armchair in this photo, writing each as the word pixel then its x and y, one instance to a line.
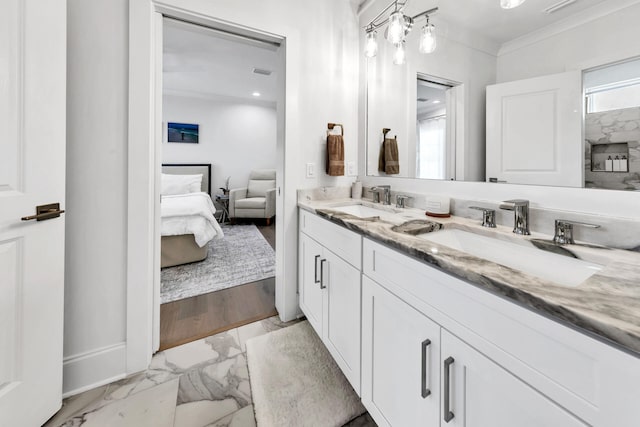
pixel 257 199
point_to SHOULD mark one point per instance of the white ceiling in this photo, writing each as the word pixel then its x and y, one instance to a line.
pixel 201 62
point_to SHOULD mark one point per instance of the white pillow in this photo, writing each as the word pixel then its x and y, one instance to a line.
pixel 180 184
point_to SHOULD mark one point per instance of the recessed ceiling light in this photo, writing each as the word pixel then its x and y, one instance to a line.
pixel 256 94
pixel 436 101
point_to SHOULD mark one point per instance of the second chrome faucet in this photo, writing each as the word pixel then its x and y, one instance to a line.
pixel 386 189
pixel 520 210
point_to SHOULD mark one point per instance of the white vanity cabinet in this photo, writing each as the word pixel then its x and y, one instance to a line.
pixel 330 289
pixel 412 367
pixel 499 364
pixel 477 392
pixel 400 360
pixel 439 351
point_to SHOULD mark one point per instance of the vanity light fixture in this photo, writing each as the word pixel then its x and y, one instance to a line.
pixel 510 4
pixel 399 56
pixel 428 38
pixel 398 26
pixel 371 45
pixel 397 23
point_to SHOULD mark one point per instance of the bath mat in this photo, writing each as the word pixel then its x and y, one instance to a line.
pixel 241 256
pixel 295 381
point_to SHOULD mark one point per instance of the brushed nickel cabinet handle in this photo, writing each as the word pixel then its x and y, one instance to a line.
pixel 425 389
pixel 315 270
pixel 448 415
pixel 322 286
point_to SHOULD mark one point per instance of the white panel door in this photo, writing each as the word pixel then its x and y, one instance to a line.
pixel 476 392
pixel 400 360
pixel 341 283
pixel 311 295
pixel 534 131
pixel 32 172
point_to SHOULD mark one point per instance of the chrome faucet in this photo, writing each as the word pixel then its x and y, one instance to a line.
pixel 488 216
pixel 401 200
pixel 386 193
pixel 520 209
pixel 564 231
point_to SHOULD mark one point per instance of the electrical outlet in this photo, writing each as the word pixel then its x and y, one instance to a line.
pixel 311 170
pixel 351 168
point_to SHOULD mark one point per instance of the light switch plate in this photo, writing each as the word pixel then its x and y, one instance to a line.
pixel 311 170
pixel 351 168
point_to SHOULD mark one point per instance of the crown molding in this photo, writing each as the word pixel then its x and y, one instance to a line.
pixel 573 21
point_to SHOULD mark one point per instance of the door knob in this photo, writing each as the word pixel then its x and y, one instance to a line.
pixel 44 212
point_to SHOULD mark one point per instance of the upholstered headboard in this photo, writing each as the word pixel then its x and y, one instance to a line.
pixel 194 169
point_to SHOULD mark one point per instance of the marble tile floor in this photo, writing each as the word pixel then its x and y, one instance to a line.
pixel 202 383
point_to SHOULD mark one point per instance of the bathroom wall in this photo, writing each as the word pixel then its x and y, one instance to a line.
pixel 572 44
pixel 235 136
pixel 95 253
pixel 611 127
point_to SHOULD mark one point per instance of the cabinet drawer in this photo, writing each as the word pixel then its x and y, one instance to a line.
pixel 565 365
pixel 344 243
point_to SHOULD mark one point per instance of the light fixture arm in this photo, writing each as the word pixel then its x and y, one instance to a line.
pixel 426 13
pixel 373 25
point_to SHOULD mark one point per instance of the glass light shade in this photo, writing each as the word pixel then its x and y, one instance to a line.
pixel 395 31
pixel 510 4
pixel 371 45
pixel 399 56
pixel 428 39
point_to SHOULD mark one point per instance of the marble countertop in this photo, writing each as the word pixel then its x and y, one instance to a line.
pixel 605 306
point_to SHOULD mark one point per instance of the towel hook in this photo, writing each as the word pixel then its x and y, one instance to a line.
pixel 385 131
pixel 330 126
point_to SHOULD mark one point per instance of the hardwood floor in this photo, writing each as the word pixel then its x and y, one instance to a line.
pixel 197 317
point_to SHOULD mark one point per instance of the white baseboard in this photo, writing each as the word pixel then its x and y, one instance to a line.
pixel 93 368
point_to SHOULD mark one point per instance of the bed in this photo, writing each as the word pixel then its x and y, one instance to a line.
pixel 187 214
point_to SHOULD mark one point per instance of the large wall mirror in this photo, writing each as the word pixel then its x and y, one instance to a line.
pixel 547 93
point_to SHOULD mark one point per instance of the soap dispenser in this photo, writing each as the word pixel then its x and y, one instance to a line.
pixel 608 164
pixel 356 190
pixel 616 164
pixel 624 164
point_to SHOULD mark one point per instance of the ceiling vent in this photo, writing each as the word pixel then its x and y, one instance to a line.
pixel 262 71
pixel 423 99
pixel 560 5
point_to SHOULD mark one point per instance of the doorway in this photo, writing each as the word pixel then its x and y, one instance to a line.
pixel 226 90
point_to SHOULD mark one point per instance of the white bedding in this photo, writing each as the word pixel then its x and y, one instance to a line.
pixel 190 214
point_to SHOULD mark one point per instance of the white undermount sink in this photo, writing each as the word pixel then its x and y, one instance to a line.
pixel 522 256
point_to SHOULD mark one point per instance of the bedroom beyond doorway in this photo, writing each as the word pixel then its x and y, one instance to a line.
pixel 219 111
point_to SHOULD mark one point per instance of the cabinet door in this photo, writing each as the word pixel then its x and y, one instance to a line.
pixel 476 392
pixel 400 360
pixel 341 282
pixel 310 257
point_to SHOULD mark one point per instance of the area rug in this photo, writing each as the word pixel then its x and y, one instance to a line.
pixel 242 256
pixel 295 381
